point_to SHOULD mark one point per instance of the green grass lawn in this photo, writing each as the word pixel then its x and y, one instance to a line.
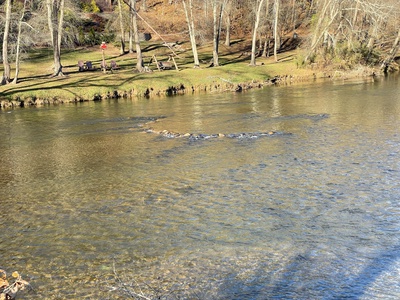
pixel 35 79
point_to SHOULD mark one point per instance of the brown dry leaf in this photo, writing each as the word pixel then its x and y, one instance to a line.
pixel 2 296
pixel 3 274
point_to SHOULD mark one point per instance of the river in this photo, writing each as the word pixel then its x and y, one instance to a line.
pixel 94 207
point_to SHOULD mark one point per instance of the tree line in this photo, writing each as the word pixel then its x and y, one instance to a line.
pixel 343 32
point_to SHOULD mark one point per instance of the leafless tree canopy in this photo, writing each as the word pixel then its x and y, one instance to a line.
pixel 355 31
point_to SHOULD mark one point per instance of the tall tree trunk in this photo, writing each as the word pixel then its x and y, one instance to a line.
pixel 254 40
pixel 55 18
pixel 6 64
pixel 373 33
pixel 311 8
pixel 266 47
pixel 265 52
pixel 190 22
pixel 392 53
pixel 294 14
pixel 17 53
pixel 139 57
pixel 217 17
pixel 276 33
pixel 60 29
pixel 228 10
pixel 121 24
pixel 321 28
pixel 131 31
pixel 205 9
pixel 353 25
pixel 131 38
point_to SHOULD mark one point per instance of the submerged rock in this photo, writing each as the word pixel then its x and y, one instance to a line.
pixel 202 136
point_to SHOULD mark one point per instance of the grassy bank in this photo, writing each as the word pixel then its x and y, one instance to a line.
pixel 36 86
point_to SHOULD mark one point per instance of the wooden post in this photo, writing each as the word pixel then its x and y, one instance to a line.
pixel 103 47
pixel 104 61
pixel 155 59
pixel 176 66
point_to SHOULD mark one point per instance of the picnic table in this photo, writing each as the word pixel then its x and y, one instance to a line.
pixel 113 66
pixel 85 66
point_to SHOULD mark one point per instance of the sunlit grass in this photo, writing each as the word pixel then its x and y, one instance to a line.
pixel 35 75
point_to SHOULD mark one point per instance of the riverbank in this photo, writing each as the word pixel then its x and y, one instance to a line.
pixel 37 87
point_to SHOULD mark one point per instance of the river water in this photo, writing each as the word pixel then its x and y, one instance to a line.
pixel 93 207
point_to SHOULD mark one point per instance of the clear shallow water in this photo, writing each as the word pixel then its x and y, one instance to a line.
pixel 312 214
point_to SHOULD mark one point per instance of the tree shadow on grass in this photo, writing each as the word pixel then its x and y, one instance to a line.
pixel 57 83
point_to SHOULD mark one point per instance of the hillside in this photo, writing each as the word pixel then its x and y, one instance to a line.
pixel 167 21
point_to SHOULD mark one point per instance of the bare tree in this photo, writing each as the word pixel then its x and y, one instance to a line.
pixel 254 39
pixel 6 73
pixel 131 31
pixel 139 56
pixel 352 23
pixel 277 41
pixel 228 12
pixel 324 21
pixel 392 53
pixel 55 19
pixel 265 52
pixel 121 24
pixel 190 23
pixel 17 54
pixel 217 18
pixel 362 26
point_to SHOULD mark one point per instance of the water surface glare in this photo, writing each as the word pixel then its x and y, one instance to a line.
pixel 89 200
